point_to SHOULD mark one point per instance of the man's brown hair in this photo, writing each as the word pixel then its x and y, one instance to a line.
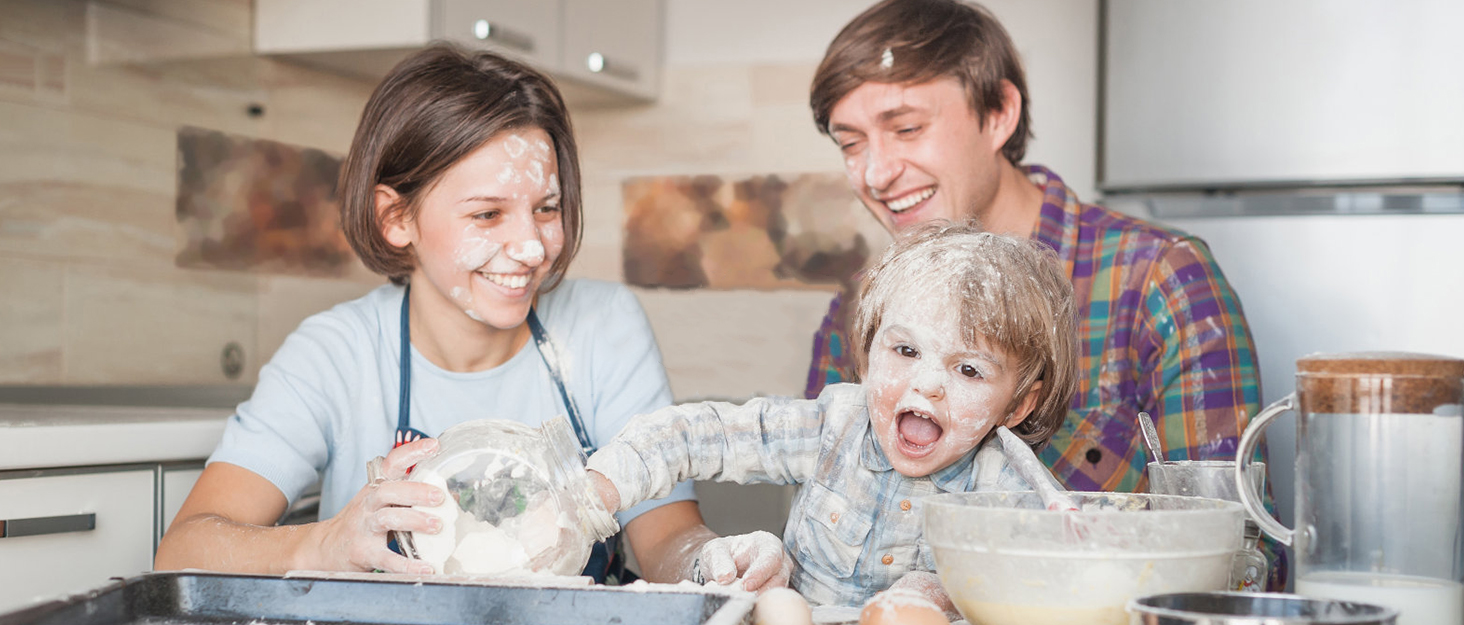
pixel 433 109
pixel 908 42
pixel 1011 292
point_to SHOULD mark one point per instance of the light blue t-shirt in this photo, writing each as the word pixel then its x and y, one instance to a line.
pixel 327 401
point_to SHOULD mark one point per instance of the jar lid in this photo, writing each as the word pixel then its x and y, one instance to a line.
pixel 1382 363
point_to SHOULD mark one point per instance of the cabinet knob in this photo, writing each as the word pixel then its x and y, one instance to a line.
pixel 496 33
pixel 600 64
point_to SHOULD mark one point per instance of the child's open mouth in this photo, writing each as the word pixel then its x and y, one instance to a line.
pixel 918 433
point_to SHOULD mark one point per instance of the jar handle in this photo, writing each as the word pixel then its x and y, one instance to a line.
pixel 1248 495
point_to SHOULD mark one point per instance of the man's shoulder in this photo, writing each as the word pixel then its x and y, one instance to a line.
pixel 1110 221
pixel 1065 211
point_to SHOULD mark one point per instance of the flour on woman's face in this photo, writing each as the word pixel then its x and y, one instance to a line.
pixel 491 228
pixel 932 397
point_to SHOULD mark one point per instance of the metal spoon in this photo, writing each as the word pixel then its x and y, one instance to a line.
pixel 1151 437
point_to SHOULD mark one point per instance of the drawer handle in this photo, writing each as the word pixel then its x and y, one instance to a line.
pixel 488 31
pixel 600 64
pixel 39 526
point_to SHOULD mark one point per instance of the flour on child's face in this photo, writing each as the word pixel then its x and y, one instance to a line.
pixel 932 398
pixel 490 229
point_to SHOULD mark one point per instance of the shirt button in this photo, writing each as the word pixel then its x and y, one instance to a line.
pixel 834 518
pixel 1094 456
pixel 905 505
pixel 888 559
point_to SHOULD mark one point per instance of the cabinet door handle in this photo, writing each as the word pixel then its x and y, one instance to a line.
pixel 601 64
pixel 38 526
pixel 488 31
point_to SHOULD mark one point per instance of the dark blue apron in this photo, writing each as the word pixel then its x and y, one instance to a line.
pixel 601 559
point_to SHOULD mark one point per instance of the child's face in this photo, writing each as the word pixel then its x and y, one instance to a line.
pixel 490 229
pixel 931 397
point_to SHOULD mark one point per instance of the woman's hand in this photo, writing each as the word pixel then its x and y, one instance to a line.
pixel 355 538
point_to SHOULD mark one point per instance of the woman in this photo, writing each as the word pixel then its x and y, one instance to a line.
pixel 462 186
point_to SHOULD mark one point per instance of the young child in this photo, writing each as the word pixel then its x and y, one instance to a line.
pixel 957 331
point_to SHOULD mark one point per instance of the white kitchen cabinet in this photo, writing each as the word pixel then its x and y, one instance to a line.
pixel 614 44
pixel 177 481
pixel 68 530
pixel 365 38
pixel 525 29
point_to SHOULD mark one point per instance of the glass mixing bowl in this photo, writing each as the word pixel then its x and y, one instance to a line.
pixel 519 501
pixel 1006 560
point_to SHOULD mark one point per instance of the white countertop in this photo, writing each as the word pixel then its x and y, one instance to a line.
pixel 47 436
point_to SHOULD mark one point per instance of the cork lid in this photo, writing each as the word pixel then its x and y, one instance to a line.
pixel 1382 363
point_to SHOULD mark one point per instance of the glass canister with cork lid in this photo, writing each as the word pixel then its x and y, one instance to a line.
pixel 1379 481
pixel 518 501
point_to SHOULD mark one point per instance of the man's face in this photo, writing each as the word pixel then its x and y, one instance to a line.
pixel 932 397
pixel 915 153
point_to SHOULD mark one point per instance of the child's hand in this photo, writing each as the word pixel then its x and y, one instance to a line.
pixel 757 558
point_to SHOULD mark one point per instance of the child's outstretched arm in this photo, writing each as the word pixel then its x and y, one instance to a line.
pixel 771 440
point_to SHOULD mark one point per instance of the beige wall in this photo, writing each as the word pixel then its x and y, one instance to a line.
pixel 729 120
pixel 89 293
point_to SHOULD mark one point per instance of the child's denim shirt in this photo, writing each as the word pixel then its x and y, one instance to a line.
pixel 855 524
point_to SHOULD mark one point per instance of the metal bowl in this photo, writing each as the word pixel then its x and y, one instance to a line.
pixel 1235 608
pixel 1005 559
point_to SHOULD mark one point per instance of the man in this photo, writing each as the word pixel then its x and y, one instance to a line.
pixel 928 102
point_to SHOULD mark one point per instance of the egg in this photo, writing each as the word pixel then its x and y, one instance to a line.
pixel 781 606
pixel 897 607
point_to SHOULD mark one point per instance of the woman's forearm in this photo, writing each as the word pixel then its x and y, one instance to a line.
pixel 212 542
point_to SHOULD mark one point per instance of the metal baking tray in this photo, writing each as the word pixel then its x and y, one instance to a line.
pixel 190 598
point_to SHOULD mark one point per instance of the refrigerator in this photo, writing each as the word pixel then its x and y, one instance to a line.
pixel 1317 146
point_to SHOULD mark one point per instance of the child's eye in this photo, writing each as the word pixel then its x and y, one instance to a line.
pixel 546 209
pixel 906 351
pixel 969 371
pixel 487 215
pixel 908 131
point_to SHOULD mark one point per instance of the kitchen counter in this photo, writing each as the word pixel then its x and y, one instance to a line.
pixel 36 436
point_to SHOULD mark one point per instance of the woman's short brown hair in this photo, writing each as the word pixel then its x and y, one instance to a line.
pixel 1010 291
pixel 434 108
pixel 915 41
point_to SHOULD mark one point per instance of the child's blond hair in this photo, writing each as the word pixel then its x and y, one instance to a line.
pixel 1011 291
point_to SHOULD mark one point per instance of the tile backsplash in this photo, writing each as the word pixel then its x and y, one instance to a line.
pixel 89 290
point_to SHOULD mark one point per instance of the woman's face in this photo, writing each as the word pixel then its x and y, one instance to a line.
pixel 489 230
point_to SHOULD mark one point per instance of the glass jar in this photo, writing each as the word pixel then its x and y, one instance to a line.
pixel 518 501
pixel 1379 481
